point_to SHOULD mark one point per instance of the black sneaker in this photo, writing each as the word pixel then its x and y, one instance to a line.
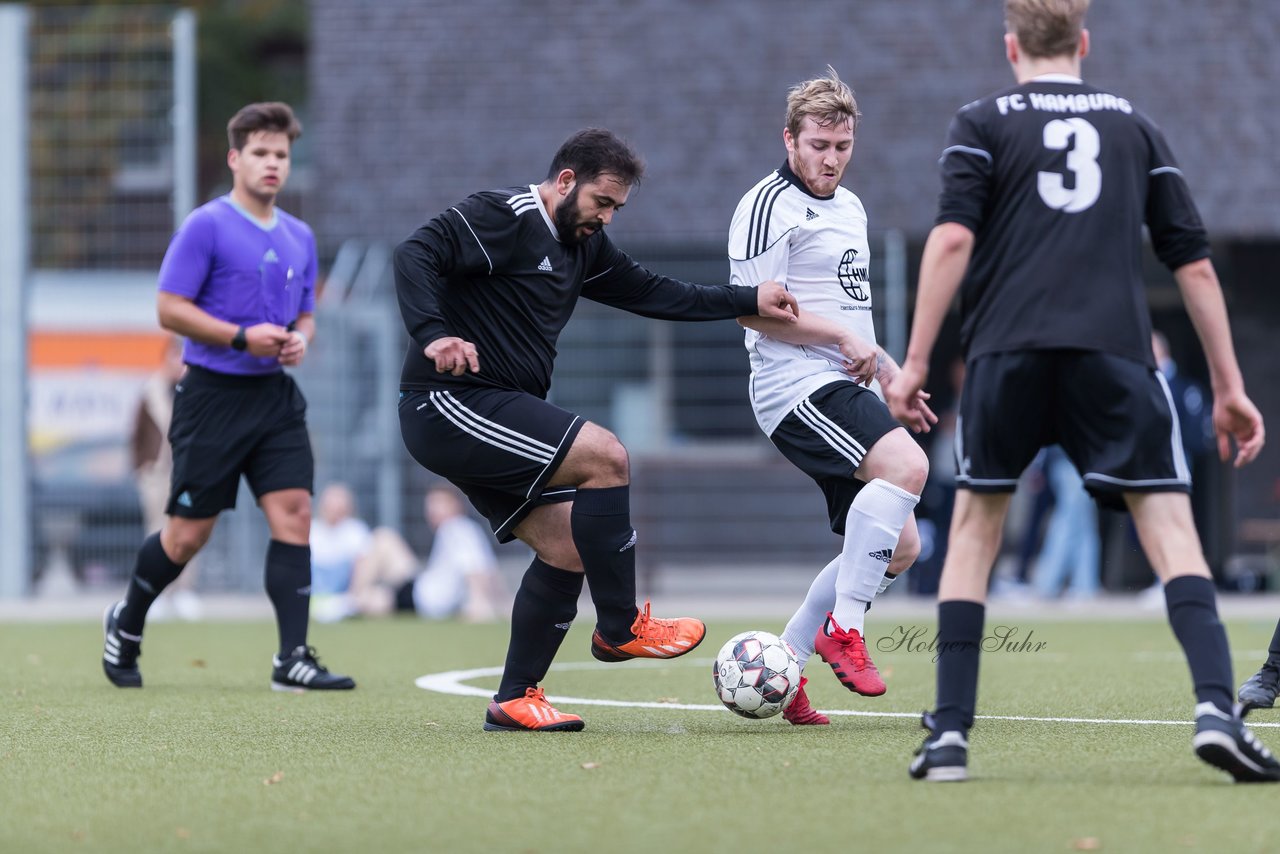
pixel 1225 742
pixel 119 654
pixel 944 756
pixel 1259 692
pixel 302 671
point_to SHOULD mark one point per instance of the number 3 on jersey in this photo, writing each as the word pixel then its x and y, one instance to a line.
pixel 1082 161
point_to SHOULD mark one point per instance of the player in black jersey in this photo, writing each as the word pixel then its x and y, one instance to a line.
pixel 1046 188
pixel 485 289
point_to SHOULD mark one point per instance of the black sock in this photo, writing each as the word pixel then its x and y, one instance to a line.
pixel 544 608
pixel 1193 614
pixel 288 582
pixel 152 573
pixel 959 645
pixel 601 523
pixel 1273 654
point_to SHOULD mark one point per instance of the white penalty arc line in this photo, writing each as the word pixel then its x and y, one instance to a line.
pixel 453 682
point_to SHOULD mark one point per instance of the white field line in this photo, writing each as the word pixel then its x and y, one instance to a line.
pixel 452 682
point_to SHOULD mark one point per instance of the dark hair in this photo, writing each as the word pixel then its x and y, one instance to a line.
pixel 273 116
pixel 593 152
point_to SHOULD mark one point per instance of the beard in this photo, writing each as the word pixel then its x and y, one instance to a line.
pixel 567 219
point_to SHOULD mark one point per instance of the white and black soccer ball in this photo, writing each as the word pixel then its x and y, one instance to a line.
pixel 756 674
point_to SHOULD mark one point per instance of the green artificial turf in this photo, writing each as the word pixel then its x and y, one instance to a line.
pixel 207 758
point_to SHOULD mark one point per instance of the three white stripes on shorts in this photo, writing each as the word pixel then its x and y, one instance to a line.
pixel 490 432
pixel 833 433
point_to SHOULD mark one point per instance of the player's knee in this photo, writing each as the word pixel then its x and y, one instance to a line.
pixel 561 555
pixel 182 542
pixel 908 471
pixel 611 462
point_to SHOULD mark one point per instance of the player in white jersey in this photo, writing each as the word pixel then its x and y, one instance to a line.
pixel 812 381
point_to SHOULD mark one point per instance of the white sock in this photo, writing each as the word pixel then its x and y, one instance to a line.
pixel 885 582
pixel 876 518
pixel 884 585
pixel 805 622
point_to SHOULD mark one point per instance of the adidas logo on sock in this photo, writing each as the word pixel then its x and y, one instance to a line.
pixel 631 542
pixel 545 266
pixel 885 555
pixel 809 214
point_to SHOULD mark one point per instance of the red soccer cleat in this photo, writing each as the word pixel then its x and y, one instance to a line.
pixel 800 713
pixel 847 654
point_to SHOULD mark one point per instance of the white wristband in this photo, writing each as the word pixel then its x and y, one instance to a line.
pixel 303 336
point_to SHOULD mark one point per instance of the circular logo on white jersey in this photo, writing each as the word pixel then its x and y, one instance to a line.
pixel 853 276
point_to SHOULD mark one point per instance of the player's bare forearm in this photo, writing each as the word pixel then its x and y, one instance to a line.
pixel 861 356
pixel 183 317
pixel 886 368
pixel 808 328
pixel 1202 295
pixel 942 267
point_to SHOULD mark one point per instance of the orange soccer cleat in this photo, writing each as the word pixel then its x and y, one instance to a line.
pixel 654 638
pixel 530 713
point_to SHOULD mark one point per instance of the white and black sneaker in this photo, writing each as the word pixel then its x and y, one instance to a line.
pixel 119 653
pixel 944 756
pixel 1224 742
pixel 302 671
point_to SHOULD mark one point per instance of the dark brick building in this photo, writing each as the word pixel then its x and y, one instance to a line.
pixel 415 103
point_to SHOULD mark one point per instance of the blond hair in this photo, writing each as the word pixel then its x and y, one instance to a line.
pixel 1046 28
pixel 827 100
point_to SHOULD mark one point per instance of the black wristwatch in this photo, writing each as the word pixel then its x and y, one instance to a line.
pixel 240 342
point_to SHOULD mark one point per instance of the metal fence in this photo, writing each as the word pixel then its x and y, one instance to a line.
pixel 709 489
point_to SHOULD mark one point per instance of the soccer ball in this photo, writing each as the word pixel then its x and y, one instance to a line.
pixel 756 674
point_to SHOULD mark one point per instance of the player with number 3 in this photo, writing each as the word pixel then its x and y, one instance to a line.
pixel 1046 187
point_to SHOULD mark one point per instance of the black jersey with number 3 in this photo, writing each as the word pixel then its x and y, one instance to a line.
pixel 1056 179
pixel 492 271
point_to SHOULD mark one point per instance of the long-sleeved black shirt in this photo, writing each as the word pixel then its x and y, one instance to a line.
pixel 493 272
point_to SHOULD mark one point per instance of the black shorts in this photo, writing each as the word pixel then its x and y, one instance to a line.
pixel 1113 417
pixel 827 435
pixel 500 447
pixel 225 426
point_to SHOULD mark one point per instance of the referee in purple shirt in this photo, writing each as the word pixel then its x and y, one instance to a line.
pixel 238 282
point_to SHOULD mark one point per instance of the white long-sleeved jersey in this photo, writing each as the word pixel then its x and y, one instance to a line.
pixel 818 248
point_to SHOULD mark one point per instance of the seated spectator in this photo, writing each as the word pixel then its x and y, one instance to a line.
pixel 460 576
pixel 1071 552
pixel 338 540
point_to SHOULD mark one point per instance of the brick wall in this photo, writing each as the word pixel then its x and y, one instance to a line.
pixel 416 103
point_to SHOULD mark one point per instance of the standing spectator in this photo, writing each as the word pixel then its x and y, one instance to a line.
pixel 1072 547
pixel 238 283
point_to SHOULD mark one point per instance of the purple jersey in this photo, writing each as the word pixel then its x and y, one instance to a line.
pixel 239 270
